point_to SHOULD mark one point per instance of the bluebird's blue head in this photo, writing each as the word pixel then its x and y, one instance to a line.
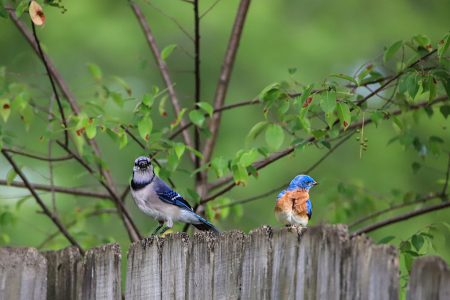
pixel 303 182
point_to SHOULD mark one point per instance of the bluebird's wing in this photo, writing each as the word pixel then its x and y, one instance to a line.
pixel 166 194
pixel 309 208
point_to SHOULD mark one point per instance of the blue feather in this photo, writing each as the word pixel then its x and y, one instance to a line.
pixel 309 208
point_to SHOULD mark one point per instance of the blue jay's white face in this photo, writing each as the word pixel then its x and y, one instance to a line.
pixel 142 164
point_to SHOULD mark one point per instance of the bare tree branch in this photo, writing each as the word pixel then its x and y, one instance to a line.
pixel 394 207
pixel 224 79
pixel 402 217
pixel 64 190
pixel 52 216
pixel 163 69
pixel 39 157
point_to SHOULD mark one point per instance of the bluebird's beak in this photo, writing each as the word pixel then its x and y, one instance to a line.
pixel 315 183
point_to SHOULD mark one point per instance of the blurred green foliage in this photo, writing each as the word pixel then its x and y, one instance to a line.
pixel 101 52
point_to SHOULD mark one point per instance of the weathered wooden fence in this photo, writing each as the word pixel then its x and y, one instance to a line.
pixel 319 262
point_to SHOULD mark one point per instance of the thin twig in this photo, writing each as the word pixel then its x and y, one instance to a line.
pixel 53 217
pixel 63 190
pixel 39 157
pixel 211 7
pixel 50 166
pixel 55 92
pixel 394 207
pixel 446 176
pixel 225 75
pixel 402 217
pixel 198 175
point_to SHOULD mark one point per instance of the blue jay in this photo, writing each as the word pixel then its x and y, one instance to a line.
pixel 158 201
pixel 293 206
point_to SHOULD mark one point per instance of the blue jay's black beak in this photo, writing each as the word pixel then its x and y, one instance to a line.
pixel 142 162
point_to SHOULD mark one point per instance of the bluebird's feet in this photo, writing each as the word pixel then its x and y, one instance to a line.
pixel 147 240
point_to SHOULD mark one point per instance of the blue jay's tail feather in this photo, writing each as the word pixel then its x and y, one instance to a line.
pixel 206 226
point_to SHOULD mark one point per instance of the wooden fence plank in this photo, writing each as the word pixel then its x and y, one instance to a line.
pixel 101 273
pixel 201 266
pixel 175 265
pixel 257 264
pixel 228 255
pixel 62 273
pixel 383 277
pixel 284 267
pixel 144 271
pixel 430 279
pixel 23 274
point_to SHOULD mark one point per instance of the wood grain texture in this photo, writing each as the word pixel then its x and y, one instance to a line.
pixel 228 256
pixel 23 274
pixel 175 265
pixel 143 279
pixel 201 266
pixel 430 279
pixel 101 273
pixel 257 265
pixel 383 273
pixel 62 273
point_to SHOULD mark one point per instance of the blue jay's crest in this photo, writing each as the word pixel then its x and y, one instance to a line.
pixel 142 162
pixel 302 182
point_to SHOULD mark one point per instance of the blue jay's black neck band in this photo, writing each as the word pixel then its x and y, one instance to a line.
pixel 140 185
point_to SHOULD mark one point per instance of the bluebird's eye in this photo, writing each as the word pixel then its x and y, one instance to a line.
pixel 308 182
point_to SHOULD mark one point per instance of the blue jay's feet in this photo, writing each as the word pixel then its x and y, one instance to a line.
pixel 147 240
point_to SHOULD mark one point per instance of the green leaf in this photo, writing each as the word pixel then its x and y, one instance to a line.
pixel 5 108
pixel 11 175
pixel 319 134
pixel 392 50
pixel 22 201
pixel 417 241
pixel 298 105
pixel 117 98
pixel 21 8
pixel 210 213
pixel 414 84
pixel 344 114
pixel 376 116
pixel 406 247
pixel 197 117
pixel 4 13
pixel 145 126
pixel 240 175
pixel 206 107
pixel 194 195
pixel 292 70
pixel 263 151
pixel 248 157
pixel 95 71
pixel 219 164
pixel 328 102
pixel 148 99
pixel 179 149
pixel 408 261
pixel 123 84
pixel 5 238
pixel 443 45
pixel 195 152
pixel 167 51
pixel 274 136
pixel 22 100
pixel 122 138
pixel 256 130
pixel 91 130
pixel 326 144
pixel 225 211
pixel 445 110
pixel 365 72
pixel 386 239
pixel 423 41
pixel 270 92
pixel 162 111
pixel 403 85
pixel 433 90
pixel 203 167
pixel 177 120
pixel 172 158
pixel 344 77
pixel 416 167
pixel 396 121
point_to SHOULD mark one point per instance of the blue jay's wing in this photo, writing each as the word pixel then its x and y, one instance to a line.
pixel 281 194
pixel 309 208
pixel 166 194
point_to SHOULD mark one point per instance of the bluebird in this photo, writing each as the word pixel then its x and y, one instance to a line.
pixel 158 201
pixel 293 206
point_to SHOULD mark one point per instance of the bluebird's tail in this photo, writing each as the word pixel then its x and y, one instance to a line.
pixel 206 226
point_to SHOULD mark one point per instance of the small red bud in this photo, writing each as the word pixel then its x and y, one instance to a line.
pixel 5 106
pixel 108 170
pixel 441 42
pixel 434 80
pixel 209 166
pixel 369 67
pixel 335 113
pixel 341 74
pixel 256 173
pixel 80 131
pixel 41 138
pixel 131 126
pixel 77 210
pixel 164 114
pixel 308 100
pixel 305 105
pixel 345 124
pixel 146 137
pixel 265 110
pixel 21 117
pixel 91 121
pixel 174 122
pixel 429 47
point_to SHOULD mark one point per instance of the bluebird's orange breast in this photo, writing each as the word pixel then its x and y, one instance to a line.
pixel 291 208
